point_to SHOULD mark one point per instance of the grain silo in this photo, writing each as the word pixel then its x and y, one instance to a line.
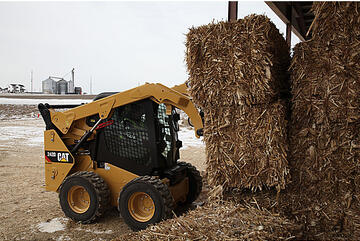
pixel 62 87
pixel 49 86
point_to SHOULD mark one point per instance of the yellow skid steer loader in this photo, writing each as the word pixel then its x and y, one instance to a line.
pixel 121 150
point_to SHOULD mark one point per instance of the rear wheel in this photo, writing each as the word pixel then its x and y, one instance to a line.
pixel 195 182
pixel 145 200
pixel 84 196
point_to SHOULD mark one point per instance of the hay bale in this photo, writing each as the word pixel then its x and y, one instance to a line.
pixel 336 20
pixel 237 63
pixel 324 128
pixel 324 171
pixel 247 146
pixel 324 159
pixel 214 221
pixel 325 82
pixel 326 100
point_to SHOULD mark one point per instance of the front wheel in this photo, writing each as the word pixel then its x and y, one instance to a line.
pixel 145 200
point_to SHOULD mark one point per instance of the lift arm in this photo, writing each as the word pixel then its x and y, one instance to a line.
pixel 157 92
pixel 181 89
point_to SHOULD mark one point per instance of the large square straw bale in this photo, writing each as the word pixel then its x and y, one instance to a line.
pixel 237 63
pixel 246 147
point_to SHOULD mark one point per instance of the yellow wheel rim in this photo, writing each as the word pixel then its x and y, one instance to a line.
pixel 141 206
pixel 78 199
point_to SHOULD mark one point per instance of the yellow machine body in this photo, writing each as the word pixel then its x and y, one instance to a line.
pixel 72 125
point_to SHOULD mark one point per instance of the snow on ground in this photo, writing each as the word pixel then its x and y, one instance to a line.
pixel 188 138
pixel 29 135
pixel 37 101
pixel 59 224
pixel 54 225
pixel 39 139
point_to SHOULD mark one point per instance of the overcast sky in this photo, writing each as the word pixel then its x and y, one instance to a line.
pixel 118 44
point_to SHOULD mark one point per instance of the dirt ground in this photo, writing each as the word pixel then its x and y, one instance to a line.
pixel 27 211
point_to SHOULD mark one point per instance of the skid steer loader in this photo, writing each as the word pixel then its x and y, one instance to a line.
pixel 121 150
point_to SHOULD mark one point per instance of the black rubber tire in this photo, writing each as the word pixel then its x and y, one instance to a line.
pixel 97 189
pixel 159 193
pixel 195 182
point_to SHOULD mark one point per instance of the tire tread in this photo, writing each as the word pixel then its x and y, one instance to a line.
pixel 197 178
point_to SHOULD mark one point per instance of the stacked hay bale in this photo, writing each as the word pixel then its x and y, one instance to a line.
pixel 324 128
pixel 237 73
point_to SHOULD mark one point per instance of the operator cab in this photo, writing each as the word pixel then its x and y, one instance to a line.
pixel 140 138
